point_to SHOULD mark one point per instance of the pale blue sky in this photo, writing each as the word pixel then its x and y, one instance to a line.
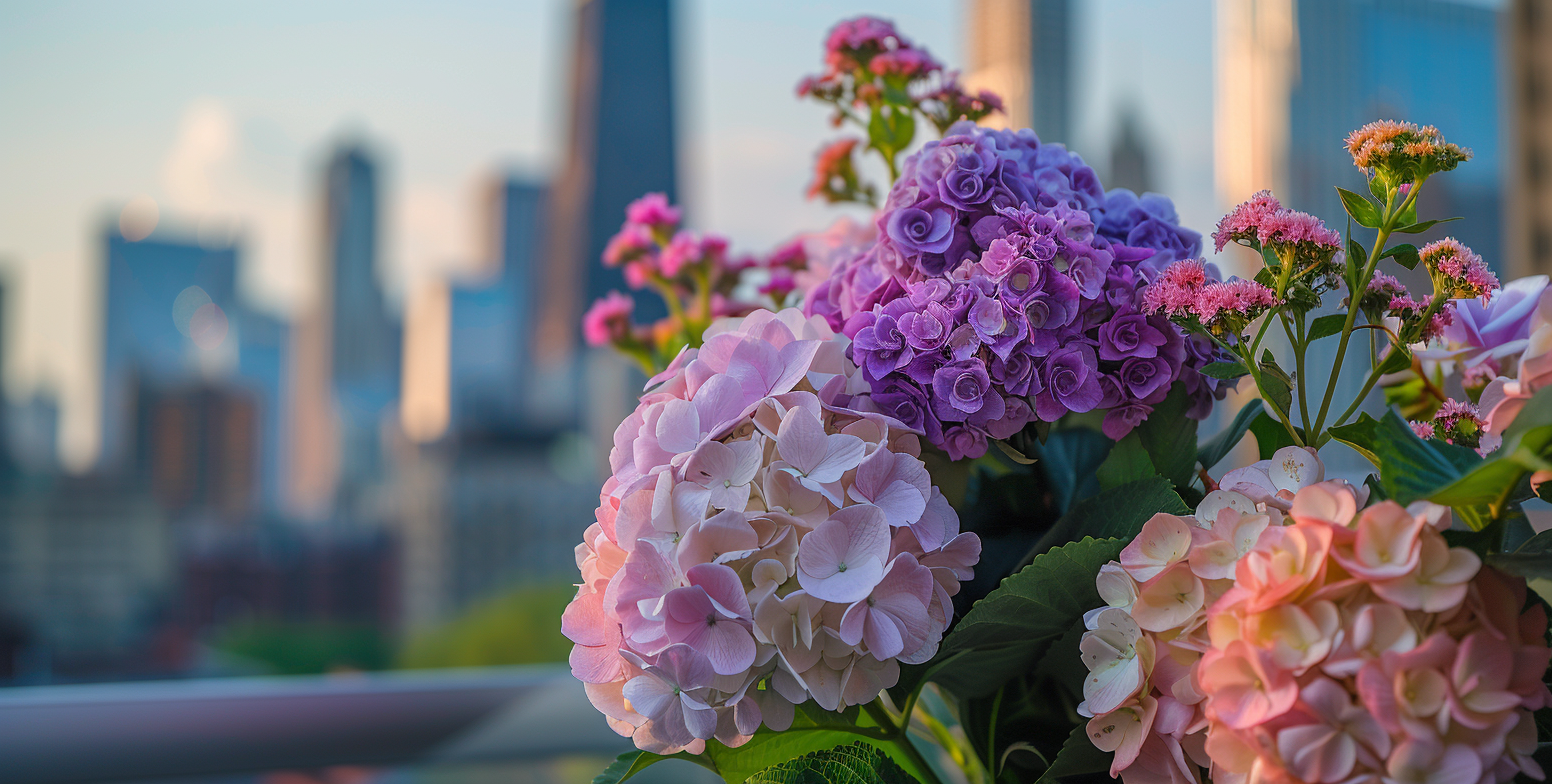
pixel 220 113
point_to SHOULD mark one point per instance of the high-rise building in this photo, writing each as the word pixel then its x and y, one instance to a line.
pixel 1130 166
pixel 1022 50
pixel 622 144
pixel 198 450
pixel 346 371
pixel 492 319
pixel 166 316
pixel 1528 28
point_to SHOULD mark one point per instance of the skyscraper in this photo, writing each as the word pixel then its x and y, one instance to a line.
pixel 622 144
pixel 347 349
pixel 1022 50
pixel 492 320
pixel 1529 158
pixel 166 315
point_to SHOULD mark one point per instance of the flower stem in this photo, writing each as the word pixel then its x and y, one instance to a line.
pixel 902 740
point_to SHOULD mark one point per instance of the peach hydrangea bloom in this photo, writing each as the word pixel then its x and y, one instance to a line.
pixel 1330 645
pixel 767 537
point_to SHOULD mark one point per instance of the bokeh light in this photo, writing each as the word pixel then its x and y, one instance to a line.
pixel 138 218
pixel 189 301
pixel 208 326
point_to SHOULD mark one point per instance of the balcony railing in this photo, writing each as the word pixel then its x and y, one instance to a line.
pixel 165 729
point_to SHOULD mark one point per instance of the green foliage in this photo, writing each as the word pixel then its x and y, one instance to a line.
pixel 1359 434
pixel 1169 436
pixel 1079 756
pixel 520 627
pixel 1119 511
pixel 1128 462
pixel 1069 458
pixel 1326 326
pixel 1007 632
pixel 1532 560
pixel 857 763
pixel 1363 211
pixel 1405 254
pixel 632 762
pixel 1270 435
pixel 306 648
pixel 1219 446
pixel 1419 228
pixel 1276 384
pixel 1227 371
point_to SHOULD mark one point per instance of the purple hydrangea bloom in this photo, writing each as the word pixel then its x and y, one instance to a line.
pixel 1004 287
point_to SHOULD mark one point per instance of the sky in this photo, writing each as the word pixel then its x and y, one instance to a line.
pixel 222 113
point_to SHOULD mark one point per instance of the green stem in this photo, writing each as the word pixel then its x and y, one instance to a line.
pixel 1255 377
pixel 902 740
pixel 1294 339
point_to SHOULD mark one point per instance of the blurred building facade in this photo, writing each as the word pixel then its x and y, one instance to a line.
pixel 1528 196
pixel 1023 51
pixel 622 144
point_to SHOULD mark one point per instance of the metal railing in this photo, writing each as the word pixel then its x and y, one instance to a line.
pixel 165 729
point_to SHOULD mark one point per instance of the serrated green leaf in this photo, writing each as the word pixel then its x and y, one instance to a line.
pixel 1363 211
pixel 1225 370
pixel 1005 633
pixel 1326 326
pixel 1219 446
pixel 1169 436
pixel 1413 469
pixel 1079 756
pixel 632 762
pixel 857 763
pixel 1405 254
pixel 1128 462
pixel 1422 226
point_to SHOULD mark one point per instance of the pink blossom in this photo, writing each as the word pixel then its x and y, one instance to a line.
pixel 653 212
pixel 608 320
pixel 842 560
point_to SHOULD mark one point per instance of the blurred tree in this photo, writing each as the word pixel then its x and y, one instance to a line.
pixel 520 627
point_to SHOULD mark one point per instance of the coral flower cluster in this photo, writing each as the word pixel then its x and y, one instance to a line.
pixel 1007 287
pixel 1189 297
pixel 1308 639
pixel 766 538
pixel 1401 152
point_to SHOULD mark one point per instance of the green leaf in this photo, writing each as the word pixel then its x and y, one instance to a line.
pixel 1419 228
pixel 891 131
pixel 1355 252
pixel 1363 211
pixel 1170 437
pixel 1396 360
pixel 1326 326
pixel 1079 756
pixel 1225 370
pixel 1276 385
pixel 1270 435
pixel 1013 454
pixel 1404 254
pixel 1117 512
pixel 1377 190
pixel 1005 633
pixel 1219 446
pixel 857 763
pixel 1496 480
pixel 1128 462
pixel 1359 434
pixel 632 762
pixel 1532 560
pixel 1413 469
pixel 1069 458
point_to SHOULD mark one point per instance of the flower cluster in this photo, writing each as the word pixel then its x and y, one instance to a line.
pixel 835 175
pixel 765 538
pixel 1457 271
pixel 1325 645
pixel 1187 296
pixel 1299 248
pixel 1386 301
pixel 1006 287
pixel 694 274
pixel 1457 422
pixel 1400 152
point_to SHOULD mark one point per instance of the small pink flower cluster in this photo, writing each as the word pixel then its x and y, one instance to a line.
pixel 1457 422
pixel 1185 294
pixel 1458 271
pixel 766 537
pixel 1333 645
pixel 1262 221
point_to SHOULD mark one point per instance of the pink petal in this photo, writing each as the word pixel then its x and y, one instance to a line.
pixel 678 428
pixel 723 586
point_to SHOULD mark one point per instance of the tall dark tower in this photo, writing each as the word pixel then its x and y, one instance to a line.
pixel 1050 83
pixel 622 145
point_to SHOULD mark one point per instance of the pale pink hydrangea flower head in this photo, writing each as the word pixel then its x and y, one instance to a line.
pixel 1335 643
pixel 766 538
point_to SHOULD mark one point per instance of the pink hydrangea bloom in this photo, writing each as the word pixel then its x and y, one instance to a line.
pixel 1340 644
pixel 767 537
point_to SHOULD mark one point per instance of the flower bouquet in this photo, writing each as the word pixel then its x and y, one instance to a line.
pixel 925 499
